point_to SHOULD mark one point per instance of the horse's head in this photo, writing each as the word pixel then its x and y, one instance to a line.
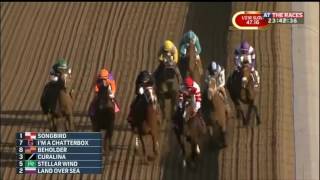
pixel 191 54
pixel 168 60
pixel 167 68
pixel 212 86
pixel 104 100
pixel 245 74
pixel 187 106
pixel 64 78
pixel 149 94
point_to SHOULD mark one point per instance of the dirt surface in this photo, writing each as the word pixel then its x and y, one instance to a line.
pixel 125 37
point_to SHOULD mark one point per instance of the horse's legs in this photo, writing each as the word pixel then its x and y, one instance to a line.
pixel 51 119
pixel 162 105
pixel 173 105
pixel 70 124
pixel 155 143
pixel 257 114
pixel 195 149
pixel 105 142
pixel 248 115
pixel 178 135
pixel 143 147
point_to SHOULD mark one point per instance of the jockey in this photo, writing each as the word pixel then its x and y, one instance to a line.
pixel 187 37
pixel 170 49
pixel 143 81
pixel 103 76
pixel 247 51
pixel 60 65
pixel 194 89
pixel 218 72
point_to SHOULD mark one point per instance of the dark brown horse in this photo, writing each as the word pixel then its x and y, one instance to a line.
pixel 216 111
pixel 57 103
pixel 146 119
pixel 188 129
pixel 191 66
pixel 104 116
pixel 167 80
pixel 243 93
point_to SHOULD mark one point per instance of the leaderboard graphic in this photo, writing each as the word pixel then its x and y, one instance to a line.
pixel 257 20
pixel 59 152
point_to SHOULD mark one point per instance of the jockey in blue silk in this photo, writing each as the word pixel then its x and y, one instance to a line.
pixel 187 37
pixel 216 71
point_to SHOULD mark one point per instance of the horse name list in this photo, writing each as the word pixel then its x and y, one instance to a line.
pixel 73 142
pixel 58 152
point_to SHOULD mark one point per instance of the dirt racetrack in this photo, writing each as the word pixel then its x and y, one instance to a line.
pixel 125 37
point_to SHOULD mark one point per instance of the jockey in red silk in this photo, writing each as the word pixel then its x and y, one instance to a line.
pixel 194 89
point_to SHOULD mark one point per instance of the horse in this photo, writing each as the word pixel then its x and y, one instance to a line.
pixel 187 128
pixel 146 120
pixel 190 65
pixel 57 104
pixel 104 116
pixel 216 111
pixel 243 93
pixel 167 82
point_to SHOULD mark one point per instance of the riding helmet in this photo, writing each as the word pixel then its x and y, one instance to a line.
pixel 62 64
pixel 168 45
pixel 244 47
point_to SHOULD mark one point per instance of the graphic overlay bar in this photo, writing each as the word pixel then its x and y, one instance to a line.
pixel 58 152
pixel 258 20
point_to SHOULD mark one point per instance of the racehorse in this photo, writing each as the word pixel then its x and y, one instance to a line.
pixel 57 103
pixel 167 84
pixel 104 116
pixel 243 93
pixel 187 128
pixel 190 65
pixel 216 111
pixel 146 119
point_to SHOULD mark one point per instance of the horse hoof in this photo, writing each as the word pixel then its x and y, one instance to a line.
pixel 145 161
pixel 223 145
pixel 151 158
pixel 184 163
pixel 198 149
pixel 210 131
pixel 156 153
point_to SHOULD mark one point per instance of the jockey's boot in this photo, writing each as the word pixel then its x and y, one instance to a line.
pixel 256 78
